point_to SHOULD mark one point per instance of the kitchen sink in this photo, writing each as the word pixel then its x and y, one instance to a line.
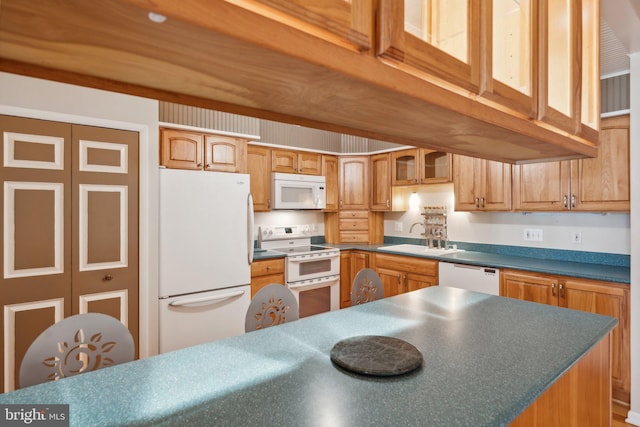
pixel 419 249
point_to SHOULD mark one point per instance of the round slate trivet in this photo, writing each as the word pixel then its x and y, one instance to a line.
pixel 376 355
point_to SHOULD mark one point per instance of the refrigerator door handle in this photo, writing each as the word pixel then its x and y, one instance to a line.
pixel 205 300
pixel 250 224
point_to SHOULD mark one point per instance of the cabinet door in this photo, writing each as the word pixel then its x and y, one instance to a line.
pixel 381 182
pixel 609 300
pixel 497 186
pixel 467 182
pixel 603 183
pixel 346 278
pixel 435 166
pixel 512 72
pixel 441 37
pixel 285 161
pixel 392 281
pixel 590 70
pixel 529 287
pixel 560 23
pixel 330 172
pixel 404 167
pixel 354 182
pixel 415 282
pixel 350 21
pixel 309 163
pixel 225 154
pixel 542 186
pixel 259 169
pixel 181 149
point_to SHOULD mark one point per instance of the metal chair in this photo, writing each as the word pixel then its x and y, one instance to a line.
pixel 272 305
pixel 366 287
pixel 74 345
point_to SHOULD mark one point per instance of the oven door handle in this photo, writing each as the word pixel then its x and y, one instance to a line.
pixel 313 284
pixel 318 258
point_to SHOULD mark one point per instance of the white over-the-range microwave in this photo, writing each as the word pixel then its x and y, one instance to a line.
pixel 297 191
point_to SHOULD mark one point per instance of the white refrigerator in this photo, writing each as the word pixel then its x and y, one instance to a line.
pixel 206 250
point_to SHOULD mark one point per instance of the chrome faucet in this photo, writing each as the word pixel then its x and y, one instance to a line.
pixel 414 224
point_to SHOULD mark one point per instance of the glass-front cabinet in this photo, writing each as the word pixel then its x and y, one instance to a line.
pixel 441 37
pixel 420 166
pixel 590 101
pixel 512 48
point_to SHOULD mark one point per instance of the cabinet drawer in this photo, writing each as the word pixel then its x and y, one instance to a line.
pixel 269 266
pixel 426 267
pixel 354 224
pixel 260 282
pixel 354 236
pixel 353 215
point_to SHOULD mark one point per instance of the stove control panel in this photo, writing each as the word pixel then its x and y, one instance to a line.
pixel 281 232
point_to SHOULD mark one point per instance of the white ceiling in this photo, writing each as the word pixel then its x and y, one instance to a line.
pixel 619 34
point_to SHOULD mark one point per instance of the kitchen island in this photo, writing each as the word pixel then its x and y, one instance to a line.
pixel 487 361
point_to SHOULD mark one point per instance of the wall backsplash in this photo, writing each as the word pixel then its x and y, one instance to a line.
pixel 609 233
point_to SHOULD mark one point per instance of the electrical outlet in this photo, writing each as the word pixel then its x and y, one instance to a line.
pixel 576 237
pixel 533 234
pixel 398 226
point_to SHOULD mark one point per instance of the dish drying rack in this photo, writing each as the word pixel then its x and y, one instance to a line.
pixel 435 226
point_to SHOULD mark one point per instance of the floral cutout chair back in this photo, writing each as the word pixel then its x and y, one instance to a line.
pixel 74 345
pixel 366 287
pixel 272 305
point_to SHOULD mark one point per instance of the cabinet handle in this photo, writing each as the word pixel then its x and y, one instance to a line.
pixel 340 202
pixel 553 289
pixel 573 200
pixel 482 202
pixel 399 279
pixel 199 165
pixel 561 290
pixel 565 201
pixel 388 204
pixel 268 203
pixel 477 202
pixel 208 166
pixel 107 278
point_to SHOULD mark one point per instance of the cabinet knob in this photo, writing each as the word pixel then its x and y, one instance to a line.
pixel 107 278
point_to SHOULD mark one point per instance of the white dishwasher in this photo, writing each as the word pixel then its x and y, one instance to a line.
pixel 471 277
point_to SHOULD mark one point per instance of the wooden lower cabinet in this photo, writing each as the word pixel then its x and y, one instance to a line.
pixel 350 263
pixel 265 272
pixel 402 274
pixel 606 298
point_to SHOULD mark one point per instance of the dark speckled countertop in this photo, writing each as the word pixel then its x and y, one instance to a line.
pixel 565 267
pixel 485 361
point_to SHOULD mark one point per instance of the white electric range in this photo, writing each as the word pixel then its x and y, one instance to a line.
pixel 312 272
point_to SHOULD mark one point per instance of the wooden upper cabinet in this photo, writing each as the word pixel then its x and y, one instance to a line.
pixel 601 184
pixel 180 149
pixel 345 23
pixel 354 182
pixel 331 173
pixel 590 70
pixel 259 169
pixel 481 185
pixel 291 161
pixel 225 154
pixel 559 85
pixel 381 182
pixel 440 37
pixel 420 166
pixel 512 74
